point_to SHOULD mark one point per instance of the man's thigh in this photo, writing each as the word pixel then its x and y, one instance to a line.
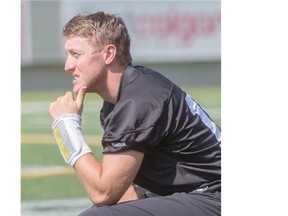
pixel 174 205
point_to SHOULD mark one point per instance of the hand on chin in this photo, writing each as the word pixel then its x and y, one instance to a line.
pixel 76 89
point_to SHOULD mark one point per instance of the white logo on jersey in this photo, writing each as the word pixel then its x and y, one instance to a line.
pixel 118 145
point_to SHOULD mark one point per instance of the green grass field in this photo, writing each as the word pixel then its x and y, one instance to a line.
pixel 39 151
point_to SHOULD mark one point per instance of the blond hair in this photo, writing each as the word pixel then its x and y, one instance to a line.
pixel 105 28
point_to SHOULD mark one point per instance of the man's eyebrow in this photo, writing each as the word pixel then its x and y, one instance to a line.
pixel 72 51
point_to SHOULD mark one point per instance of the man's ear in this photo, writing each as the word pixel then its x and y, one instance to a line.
pixel 110 53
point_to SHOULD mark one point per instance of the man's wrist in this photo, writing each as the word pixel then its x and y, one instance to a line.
pixel 68 134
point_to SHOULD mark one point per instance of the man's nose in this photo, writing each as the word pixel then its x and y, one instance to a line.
pixel 69 65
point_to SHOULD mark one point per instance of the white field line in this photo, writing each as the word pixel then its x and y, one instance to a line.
pixel 42 107
pixel 59 207
pixel 30 172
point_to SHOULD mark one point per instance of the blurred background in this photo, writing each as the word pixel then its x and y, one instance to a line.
pixel 180 39
pixel 174 37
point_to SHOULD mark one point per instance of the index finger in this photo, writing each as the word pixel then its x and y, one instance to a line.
pixel 80 96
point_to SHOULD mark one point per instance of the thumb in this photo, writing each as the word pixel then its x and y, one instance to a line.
pixel 80 99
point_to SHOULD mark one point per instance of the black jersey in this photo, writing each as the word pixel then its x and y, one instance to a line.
pixel 181 144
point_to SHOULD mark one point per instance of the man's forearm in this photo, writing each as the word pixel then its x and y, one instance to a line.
pixel 89 172
pixel 131 194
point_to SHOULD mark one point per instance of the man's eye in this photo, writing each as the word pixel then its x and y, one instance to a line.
pixel 76 55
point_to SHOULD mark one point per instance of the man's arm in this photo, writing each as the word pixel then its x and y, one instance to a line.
pixel 106 183
pixel 111 181
pixel 131 194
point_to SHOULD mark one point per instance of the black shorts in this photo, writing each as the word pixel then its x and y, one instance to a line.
pixel 193 204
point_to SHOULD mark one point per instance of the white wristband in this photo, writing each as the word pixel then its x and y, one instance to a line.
pixel 67 132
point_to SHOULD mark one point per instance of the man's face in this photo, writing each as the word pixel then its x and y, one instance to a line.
pixel 85 63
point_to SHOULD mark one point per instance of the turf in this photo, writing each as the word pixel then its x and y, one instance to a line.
pixel 47 154
pixel 51 187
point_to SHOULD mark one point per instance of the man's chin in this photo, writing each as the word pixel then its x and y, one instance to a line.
pixel 76 90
